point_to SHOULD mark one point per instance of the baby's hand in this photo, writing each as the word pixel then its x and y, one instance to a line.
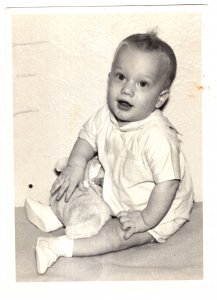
pixel 132 222
pixel 67 181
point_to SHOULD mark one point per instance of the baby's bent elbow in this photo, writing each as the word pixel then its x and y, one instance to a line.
pixel 174 184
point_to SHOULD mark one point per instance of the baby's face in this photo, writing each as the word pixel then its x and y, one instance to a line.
pixel 136 81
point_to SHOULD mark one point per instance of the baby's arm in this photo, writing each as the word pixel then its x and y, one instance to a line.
pixel 73 174
pixel 159 203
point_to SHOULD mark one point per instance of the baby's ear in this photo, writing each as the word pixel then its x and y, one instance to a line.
pixel 164 95
pixel 109 78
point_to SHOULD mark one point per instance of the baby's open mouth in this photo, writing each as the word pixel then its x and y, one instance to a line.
pixel 124 105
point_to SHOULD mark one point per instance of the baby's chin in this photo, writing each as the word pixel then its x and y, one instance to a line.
pixel 122 123
pixel 122 119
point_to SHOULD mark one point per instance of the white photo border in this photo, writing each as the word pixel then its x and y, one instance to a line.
pixel 169 289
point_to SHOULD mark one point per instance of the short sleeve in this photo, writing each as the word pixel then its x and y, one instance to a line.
pixel 162 153
pixel 89 129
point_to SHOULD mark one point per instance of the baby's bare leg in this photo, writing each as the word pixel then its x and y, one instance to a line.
pixel 109 239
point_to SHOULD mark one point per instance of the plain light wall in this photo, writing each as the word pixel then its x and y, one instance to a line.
pixel 60 68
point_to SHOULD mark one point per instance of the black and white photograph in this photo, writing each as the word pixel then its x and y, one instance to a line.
pixel 107 142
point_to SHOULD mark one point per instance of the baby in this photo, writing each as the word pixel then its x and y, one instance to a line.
pixel 147 184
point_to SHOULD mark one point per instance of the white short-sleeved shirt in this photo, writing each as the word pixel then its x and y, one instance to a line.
pixel 135 157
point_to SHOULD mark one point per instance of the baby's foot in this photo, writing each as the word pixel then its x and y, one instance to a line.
pixel 45 255
pixel 42 216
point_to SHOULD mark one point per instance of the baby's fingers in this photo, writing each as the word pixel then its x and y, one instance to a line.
pixel 126 224
pixel 57 183
pixel 62 190
pixel 129 233
pixel 122 214
pixel 70 191
pixel 124 219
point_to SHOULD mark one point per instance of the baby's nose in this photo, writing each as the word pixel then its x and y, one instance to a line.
pixel 128 89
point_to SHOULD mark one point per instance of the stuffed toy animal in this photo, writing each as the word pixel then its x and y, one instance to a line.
pixel 86 212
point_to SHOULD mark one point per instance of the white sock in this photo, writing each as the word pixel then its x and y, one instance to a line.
pixel 63 246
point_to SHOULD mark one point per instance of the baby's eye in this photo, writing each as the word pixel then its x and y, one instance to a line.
pixel 120 76
pixel 143 84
